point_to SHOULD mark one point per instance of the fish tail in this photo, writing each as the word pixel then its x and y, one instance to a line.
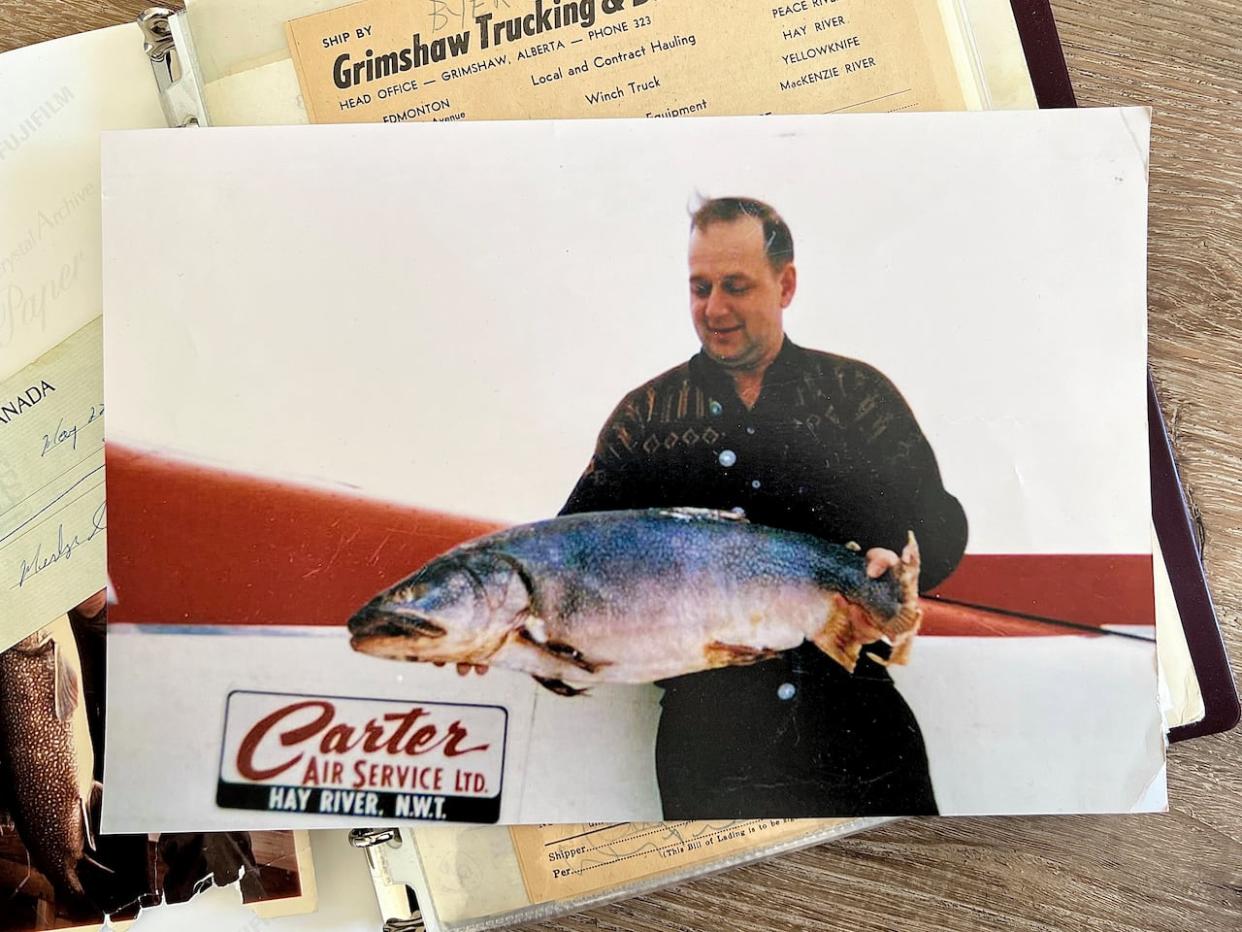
pixel 899 655
pixel 901 648
pixel 908 618
pixel 560 687
pixel 901 628
pixel 850 626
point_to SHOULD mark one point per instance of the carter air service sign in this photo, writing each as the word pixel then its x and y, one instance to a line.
pixel 362 757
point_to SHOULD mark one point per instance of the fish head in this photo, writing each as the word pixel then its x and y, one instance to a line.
pixel 459 608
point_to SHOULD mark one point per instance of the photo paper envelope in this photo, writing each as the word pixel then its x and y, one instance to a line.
pixel 878 325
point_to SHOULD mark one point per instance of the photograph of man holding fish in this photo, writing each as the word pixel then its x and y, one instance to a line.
pixel 868 544
pixel 814 443
pixel 766 433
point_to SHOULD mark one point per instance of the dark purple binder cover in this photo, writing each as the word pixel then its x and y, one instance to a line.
pixel 1176 530
pixel 1170 510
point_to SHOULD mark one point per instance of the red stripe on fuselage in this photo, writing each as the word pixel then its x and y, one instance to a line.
pixel 190 544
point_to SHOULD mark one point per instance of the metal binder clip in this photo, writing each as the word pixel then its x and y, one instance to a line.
pixel 179 93
pixel 370 837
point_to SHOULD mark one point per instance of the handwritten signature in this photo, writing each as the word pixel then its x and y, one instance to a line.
pixel 65 549
pixel 69 435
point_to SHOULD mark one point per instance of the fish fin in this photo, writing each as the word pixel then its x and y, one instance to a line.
pixel 560 687
pixel 720 654
pixel 537 636
pixel 95 864
pixel 86 823
pixel 535 630
pixel 703 514
pixel 901 649
pixel 908 618
pixel 838 639
pixel 899 656
pixel 93 804
pixel 573 655
pixel 67 687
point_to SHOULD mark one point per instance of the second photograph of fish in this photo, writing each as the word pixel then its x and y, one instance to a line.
pixel 57 871
pixel 797 472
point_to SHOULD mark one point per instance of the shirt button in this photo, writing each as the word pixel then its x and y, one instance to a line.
pixel 754 483
pixel 727 458
pixel 786 691
pixel 750 430
pixel 715 408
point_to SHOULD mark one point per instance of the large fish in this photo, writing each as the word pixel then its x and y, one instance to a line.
pixel 45 752
pixel 638 596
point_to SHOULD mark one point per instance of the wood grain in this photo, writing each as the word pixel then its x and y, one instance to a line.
pixel 1182 871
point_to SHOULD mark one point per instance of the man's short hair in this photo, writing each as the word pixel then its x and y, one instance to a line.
pixel 777 240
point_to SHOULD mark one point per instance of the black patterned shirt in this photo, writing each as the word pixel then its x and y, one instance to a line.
pixel 829 448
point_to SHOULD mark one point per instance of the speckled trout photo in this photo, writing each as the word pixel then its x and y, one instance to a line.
pixel 718 468
pixel 56 870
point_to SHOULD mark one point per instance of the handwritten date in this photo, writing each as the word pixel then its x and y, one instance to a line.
pixel 69 434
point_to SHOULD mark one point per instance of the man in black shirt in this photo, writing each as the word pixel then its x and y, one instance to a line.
pixel 798 439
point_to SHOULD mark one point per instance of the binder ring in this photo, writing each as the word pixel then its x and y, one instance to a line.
pixel 370 837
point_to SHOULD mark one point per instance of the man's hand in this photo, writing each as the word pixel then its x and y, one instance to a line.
pixel 880 561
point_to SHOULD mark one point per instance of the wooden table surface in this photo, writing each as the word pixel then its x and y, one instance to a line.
pixel 1182 871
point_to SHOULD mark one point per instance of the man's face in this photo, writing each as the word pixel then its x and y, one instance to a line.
pixel 737 300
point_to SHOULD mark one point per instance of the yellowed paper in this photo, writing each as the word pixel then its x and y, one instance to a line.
pixel 561 861
pixel 52 512
pixel 249 77
pixel 232 37
pixel 995 48
pixel 1180 695
pixel 397 60
pixel 466 874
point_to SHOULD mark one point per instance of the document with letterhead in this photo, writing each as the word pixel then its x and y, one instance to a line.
pixel 321 61
pixel 380 60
